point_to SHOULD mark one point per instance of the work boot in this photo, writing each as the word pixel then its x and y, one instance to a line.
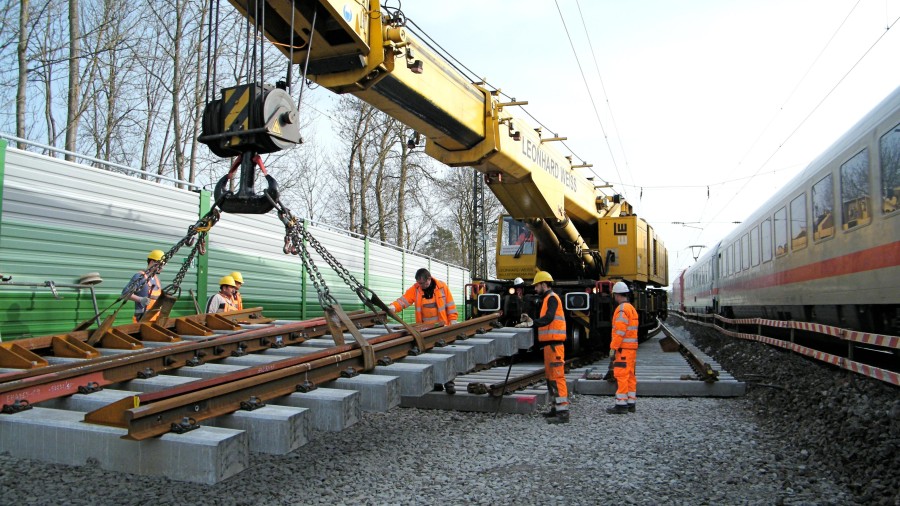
pixel 631 407
pixel 549 414
pixel 561 417
pixel 618 409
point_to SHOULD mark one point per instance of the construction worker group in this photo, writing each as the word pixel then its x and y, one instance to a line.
pixel 146 290
pixel 551 336
pixel 228 298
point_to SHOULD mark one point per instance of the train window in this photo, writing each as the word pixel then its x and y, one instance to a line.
pixel 855 191
pixel 735 258
pixel 798 222
pixel 766 229
pixel 781 245
pixel 890 171
pixel 823 208
pixel 754 246
pixel 745 252
pixel 727 271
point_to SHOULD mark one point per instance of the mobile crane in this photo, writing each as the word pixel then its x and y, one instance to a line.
pixel 557 219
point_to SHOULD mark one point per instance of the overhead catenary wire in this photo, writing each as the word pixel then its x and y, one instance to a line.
pixel 797 86
pixel 590 94
pixel 809 115
pixel 612 116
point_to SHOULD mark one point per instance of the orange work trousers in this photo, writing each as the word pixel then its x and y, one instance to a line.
pixel 555 370
pixel 623 370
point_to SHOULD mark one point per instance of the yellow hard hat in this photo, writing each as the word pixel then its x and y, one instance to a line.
pixel 542 277
pixel 156 254
pixel 237 277
pixel 227 280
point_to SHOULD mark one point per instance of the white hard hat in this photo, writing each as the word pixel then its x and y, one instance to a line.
pixel 620 287
pixel 518 281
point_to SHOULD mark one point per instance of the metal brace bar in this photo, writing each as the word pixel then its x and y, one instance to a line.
pixel 368 352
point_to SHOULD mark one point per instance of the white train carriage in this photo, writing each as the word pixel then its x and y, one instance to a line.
pixel 825 248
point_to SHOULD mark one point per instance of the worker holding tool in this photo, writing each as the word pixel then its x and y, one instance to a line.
pixel 623 350
pixel 551 332
pixel 238 283
pixel 432 298
pixel 144 297
pixel 224 299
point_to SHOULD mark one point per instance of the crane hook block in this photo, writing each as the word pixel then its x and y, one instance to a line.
pixel 245 200
pixel 250 117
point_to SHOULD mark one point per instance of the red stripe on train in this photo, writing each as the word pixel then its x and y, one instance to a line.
pixel 879 257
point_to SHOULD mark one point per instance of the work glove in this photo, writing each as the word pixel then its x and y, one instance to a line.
pixel 145 301
pixel 526 321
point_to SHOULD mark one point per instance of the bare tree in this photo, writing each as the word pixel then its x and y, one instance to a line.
pixel 353 124
pixel 74 94
pixel 22 51
pixel 457 193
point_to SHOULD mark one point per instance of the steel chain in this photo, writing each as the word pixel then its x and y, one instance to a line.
pixel 294 234
pixel 174 289
pixel 295 239
pixel 202 227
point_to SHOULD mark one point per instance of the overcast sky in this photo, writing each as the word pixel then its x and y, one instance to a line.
pixel 694 96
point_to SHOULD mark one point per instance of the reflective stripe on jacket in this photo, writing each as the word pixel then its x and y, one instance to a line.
pixel 556 329
pixel 155 290
pixel 625 328
pixel 441 308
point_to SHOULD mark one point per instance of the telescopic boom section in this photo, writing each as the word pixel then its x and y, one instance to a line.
pixel 356 47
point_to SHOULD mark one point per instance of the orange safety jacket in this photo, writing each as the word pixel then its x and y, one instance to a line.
pixel 555 331
pixel 625 328
pixel 218 299
pixel 155 291
pixel 238 301
pixel 440 308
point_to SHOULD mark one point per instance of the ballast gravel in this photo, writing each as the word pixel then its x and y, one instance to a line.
pixel 749 450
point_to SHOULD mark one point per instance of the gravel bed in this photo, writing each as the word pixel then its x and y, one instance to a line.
pixel 749 450
pixel 843 424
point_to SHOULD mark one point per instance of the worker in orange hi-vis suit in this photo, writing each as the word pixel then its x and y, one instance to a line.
pixel 432 298
pixel 551 332
pixel 623 350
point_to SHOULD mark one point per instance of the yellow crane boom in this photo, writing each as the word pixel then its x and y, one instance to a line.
pixel 356 47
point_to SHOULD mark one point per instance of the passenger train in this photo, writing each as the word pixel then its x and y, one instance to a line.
pixel 823 249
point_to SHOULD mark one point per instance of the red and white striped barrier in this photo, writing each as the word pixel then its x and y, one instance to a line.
pixel 845 334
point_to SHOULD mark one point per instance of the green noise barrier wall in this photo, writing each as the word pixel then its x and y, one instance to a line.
pixel 60 220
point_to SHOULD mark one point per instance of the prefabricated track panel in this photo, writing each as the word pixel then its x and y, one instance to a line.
pixel 60 220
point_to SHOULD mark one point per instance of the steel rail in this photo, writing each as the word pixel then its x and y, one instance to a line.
pixel 506 387
pixel 704 371
pixel 180 408
pixel 61 380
